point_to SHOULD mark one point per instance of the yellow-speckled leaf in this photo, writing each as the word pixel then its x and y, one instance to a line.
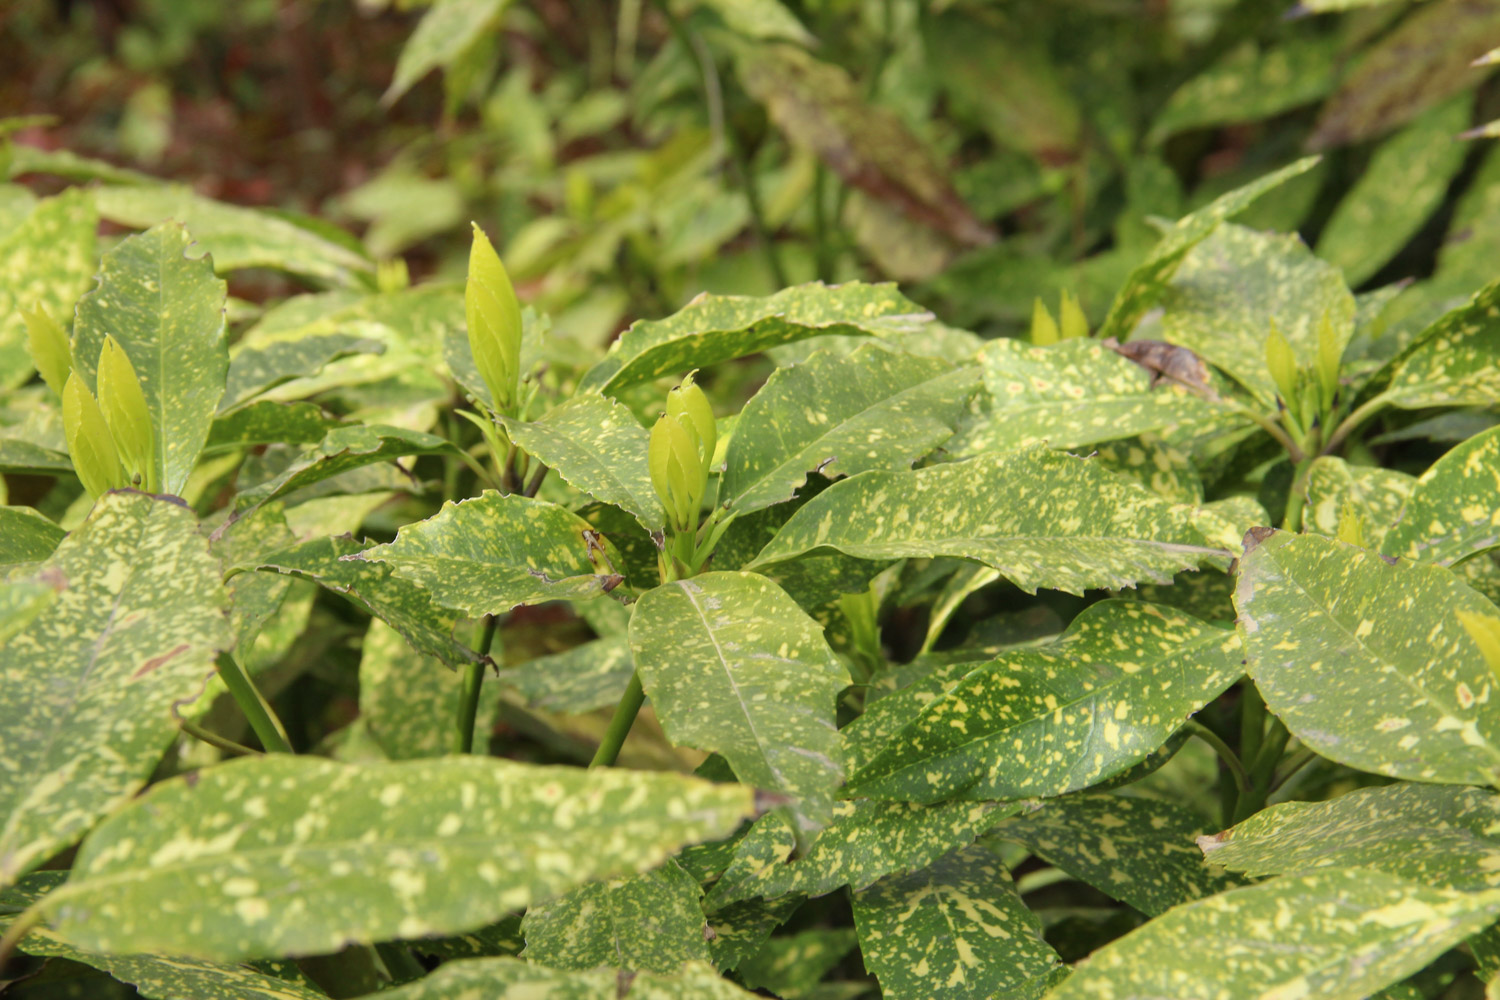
pixel 489 554
pixel 1140 851
pixel 283 855
pixel 1453 362
pixel 408 702
pixel 166 311
pixel 1366 662
pixel 733 665
pixel 45 262
pixel 259 368
pixel 956 929
pixel 1044 519
pixel 597 446
pixel 875 409
pixel 1058 718
pixel 514 979
pixel 651 921
pixel 1377 495
pixel 1333 935
pixel 1252 82
pixel 1454 509
pixel 1239 283
pixel 344 448
pixel 1436 835
pixel 763 19
pixel 1149 279
pixel 89 683
pixel 26 536
pixel 581 679
pixel 714 328
pixel 1072 394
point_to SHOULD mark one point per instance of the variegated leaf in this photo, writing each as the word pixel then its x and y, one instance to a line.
pixel 1367 662
pixel 344 448
pixel 1454 509
pixel 514 979
pixel 409 703
pixel 593 675
pixel 1045 721
pixel 258 368
pixel 1453 362
pixel 1373 494
pixel 46 261
pixel 1042 518
pixel 212 867
pixel 26 536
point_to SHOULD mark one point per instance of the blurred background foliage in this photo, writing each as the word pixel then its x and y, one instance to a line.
pixel 628 154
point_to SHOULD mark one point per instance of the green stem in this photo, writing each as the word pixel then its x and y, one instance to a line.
pixel 1353 420
pixel 399 962
pixel 619 725
pixel 18 929
pixel 821 248
pixel 1296 497
pixel 258 713
pixel 214 739
pixel 1227 755
pixel 1252 720
pixel 1303 756
pixel 468 703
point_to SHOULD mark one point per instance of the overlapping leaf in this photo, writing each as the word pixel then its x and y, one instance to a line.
pixel 1373 494
pixel 497 551
pixel 1249 83
pixel 255 369
pixel 1454 509
pixel 442 35
pixel 45 263
pixel 408 702
pixel 90 681
pixel 956 928
pixel 344 448
pixel 586 677
pixel 166 311
pixel 1453 361
pixel 1367 662
pixel 1040 722
pixel 209 866
pixel 1435 835
pixel 26 536
pixel 513 979
pixel 1042 518
pixel 268 422
pixel 732 665
pixel 874 409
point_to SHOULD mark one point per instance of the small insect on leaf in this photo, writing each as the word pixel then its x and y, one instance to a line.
pixel 494 320
pixel 48 344
pixel 89 442
pixel 123 404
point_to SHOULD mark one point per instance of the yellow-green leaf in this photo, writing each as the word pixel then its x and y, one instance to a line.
pixel 1454 508
pixel 90 445
pixel 48 345
pixel 45 263
pixel 494 323
pixel 125 411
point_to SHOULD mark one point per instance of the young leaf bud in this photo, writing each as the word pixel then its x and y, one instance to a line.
pixel 1044 329
pixel 1075 324
pixel 689 405
pixel 1281 362
pixel 1330 354
pixel 494 321
pixel 89 442
pixel 1351 526
pixel 49 348
pixel 123 404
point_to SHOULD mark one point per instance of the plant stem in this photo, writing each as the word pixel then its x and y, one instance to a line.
pixel 468 704
pixel 536 480
pixel 620 723
pixel 399 962
pixel 821 247
pixel 214 739
pixel 18 929
pixel 1296 497
pixel 1227 755
pixel 1303 756
pixel 258 713
pixel 1252 720
pixel 1352 421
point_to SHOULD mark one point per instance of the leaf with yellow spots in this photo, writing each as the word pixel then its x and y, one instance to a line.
pixel 1042 518
pixel 90 681
pixel 651 921
pixel 792 965
pixel 408 702
pixel 1453 361
pixel 282 855
pixel 1436 835
pixel 1140 851
pixel 1338 935
pixel 1059 718
pixel 261 367
pixel 350 446
pixel 1366 662
pixel 46 261
pixel 494 552
pixel 26 536
pixel 1154 463
pixel 1070 395
pixel 874 409
pixel 1454 509
pixel 956 929
pixel 582 679
pixel 516 979
pixel 1377 495
pixel 732 665
pixel 165 310
pixel 714 328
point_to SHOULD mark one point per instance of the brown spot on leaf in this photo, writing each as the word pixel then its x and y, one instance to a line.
pixel 157 661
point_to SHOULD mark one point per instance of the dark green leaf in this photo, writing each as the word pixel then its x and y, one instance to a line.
pixel 26 536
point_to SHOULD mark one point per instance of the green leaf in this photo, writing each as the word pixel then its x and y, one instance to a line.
pixel 1062 522
pixel 955 929
pixel 404 605
pixel 408 703
pixel 514 979
pixel 1402 187
pixel 732 665
pixel 742 929
pixel 343 448
pixel 268 422
pixel 875 409
pixel 1045 721
pixel 1250 83
pixel 714 328
pixel 1451 513
pixel 237 237
pixel 45 263
pixel 1140 851
pixel 166 310
pixel 495 552
pixel 766 20
pixel 257 597
pixel 26 457
pixel 1377 495
pixel 1072 394
pixel 1236 284
pixel 20 603
pixel 869 840
pixel 493 323
pixel 586 677
pixel 404 849
pixel 792 965
pixel 254 370
pixel 90 682
pixel 598 447
pixel 650 921
pixel 26 536
pixel 1148 281
pixel 1453 361
pixel 1435 835
pixel 445 31
pixel 1366 662
pixel 1336 935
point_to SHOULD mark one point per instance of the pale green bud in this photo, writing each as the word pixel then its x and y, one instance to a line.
pixel 688 404
pixel 49 348
pixel 1044 329
pixel 1075 325
pixel 494 321
pixel 123 404
pixel 1330 354
pixel 89 443
pixel 1281 362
